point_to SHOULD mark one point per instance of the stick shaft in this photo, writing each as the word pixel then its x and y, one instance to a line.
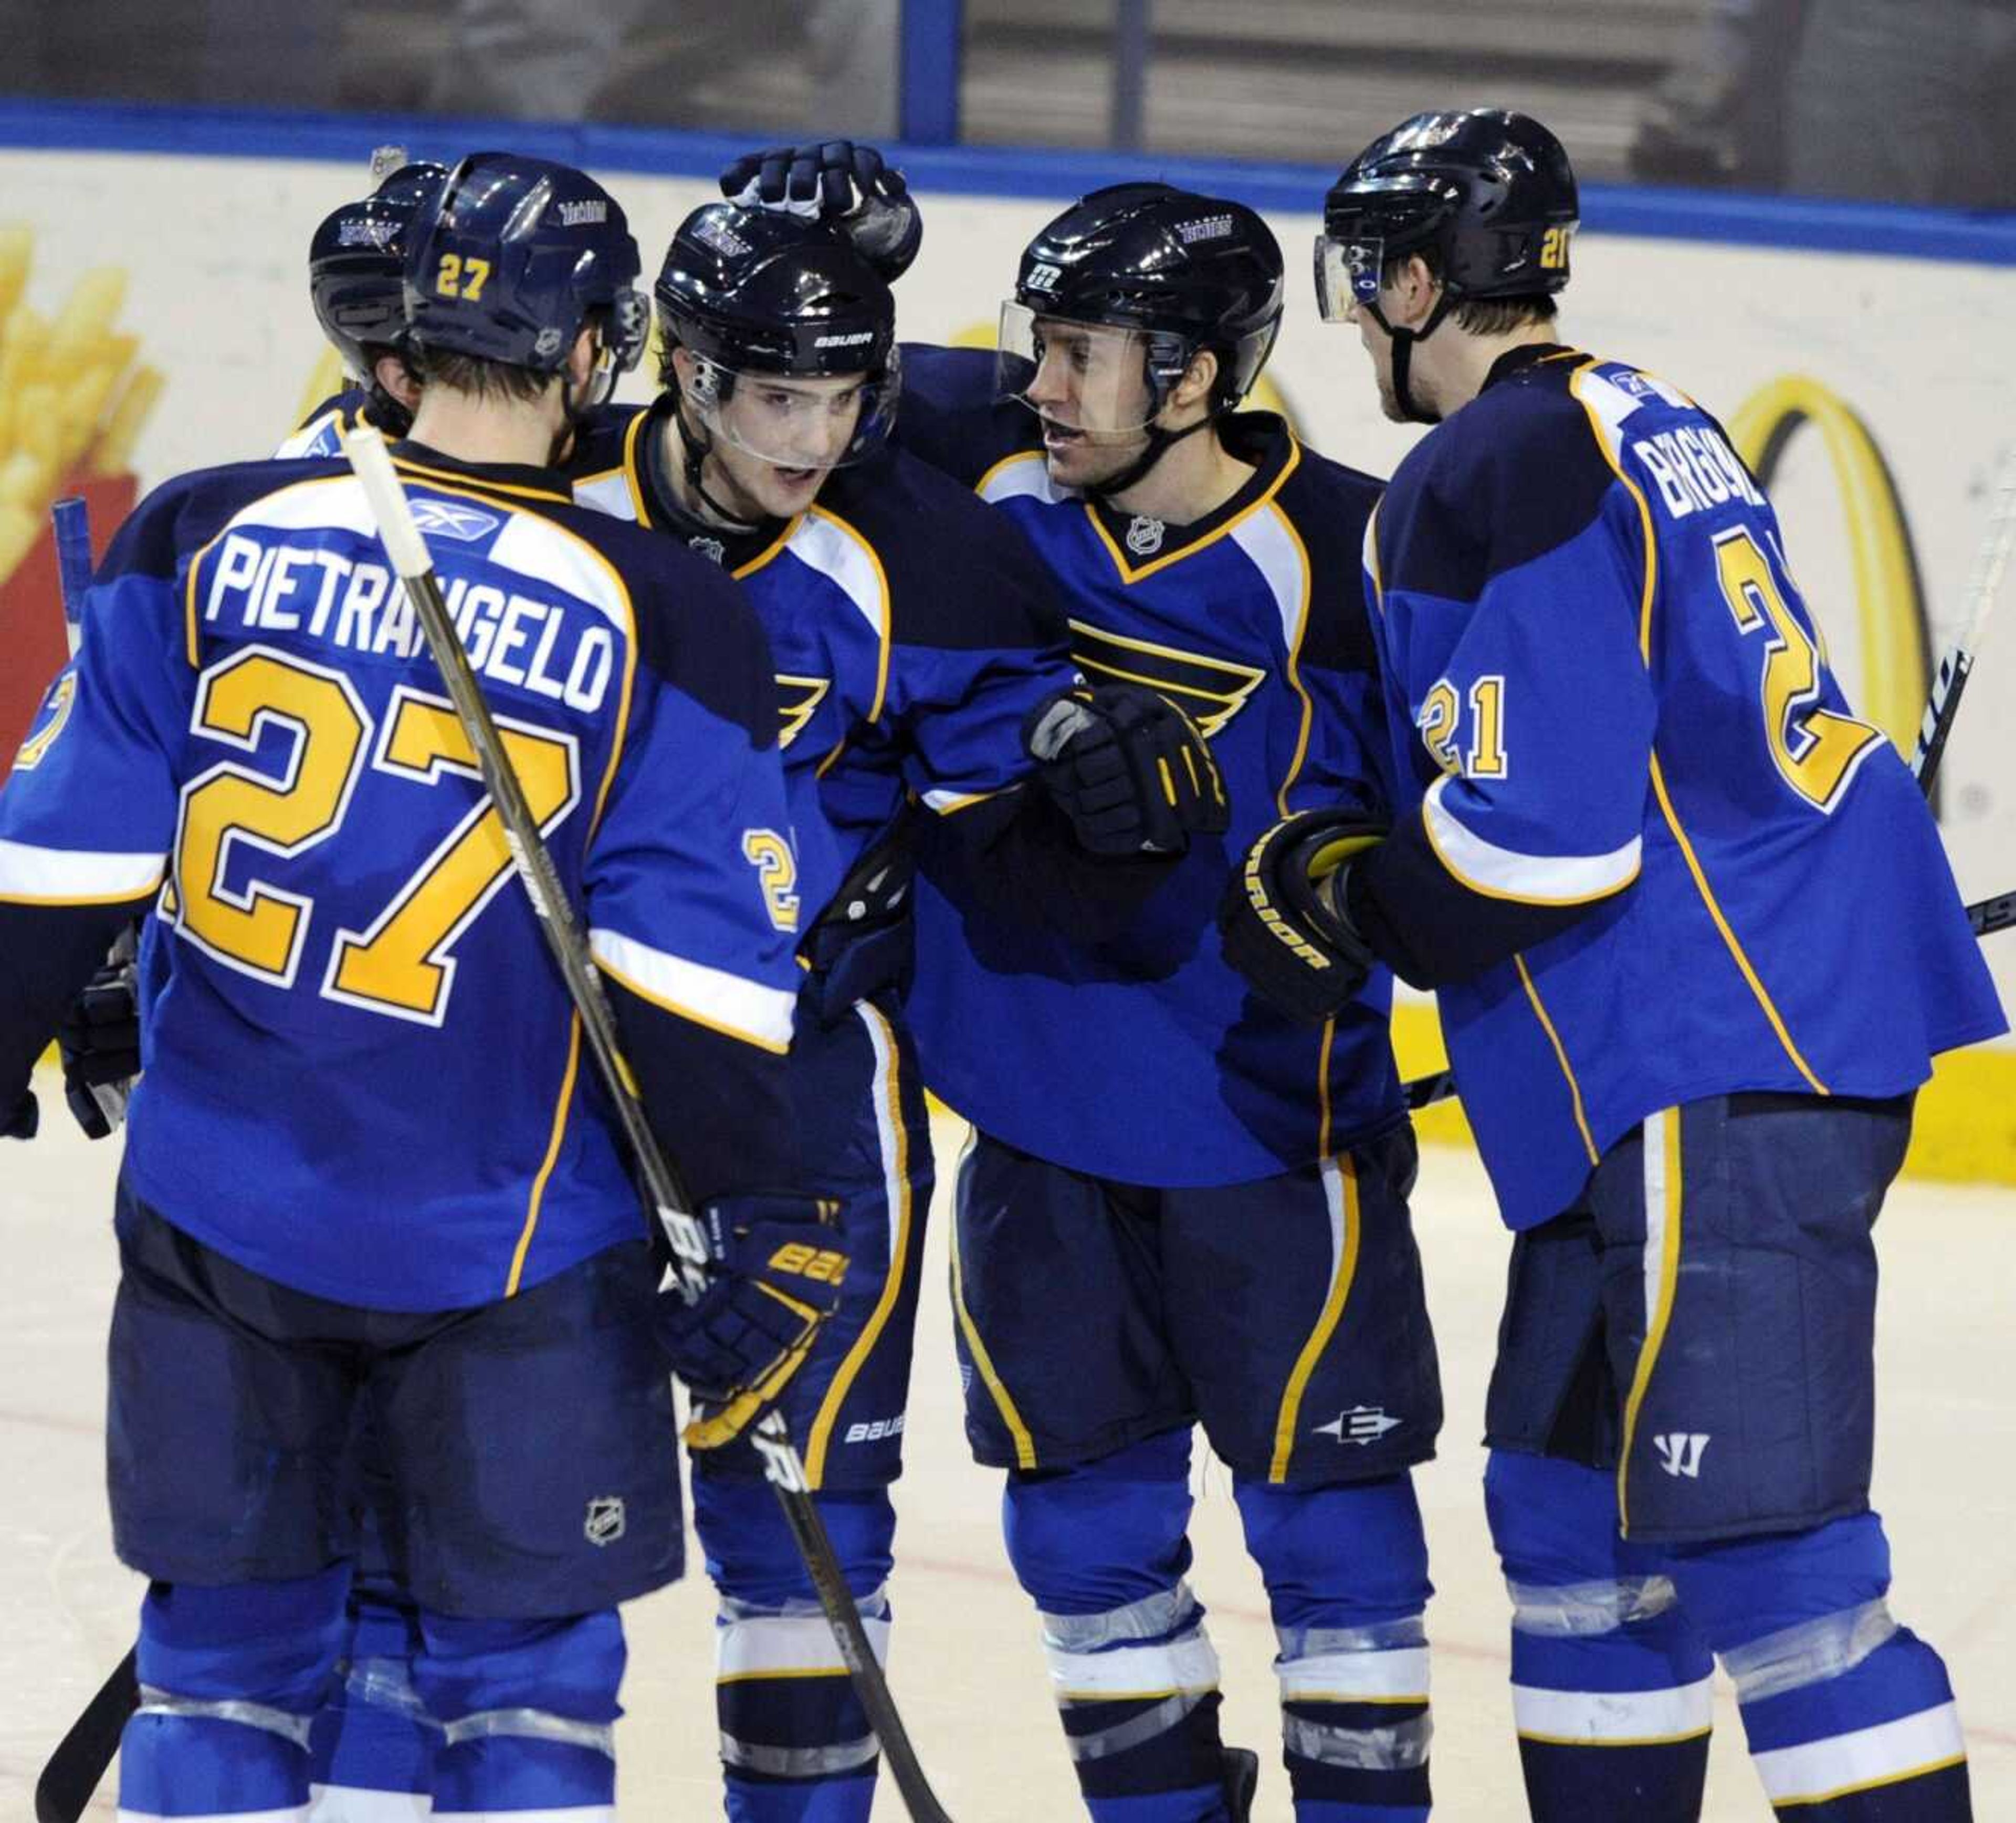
pixel 373 465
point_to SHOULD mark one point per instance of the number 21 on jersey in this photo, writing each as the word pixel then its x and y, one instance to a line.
pixel 1816 751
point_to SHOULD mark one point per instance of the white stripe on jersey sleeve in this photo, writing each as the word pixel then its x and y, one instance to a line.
pixel 708 997
pixel 35 876
pixel 1027 474
pixel 1535 879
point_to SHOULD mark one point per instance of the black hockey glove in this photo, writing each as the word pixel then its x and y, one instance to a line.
pixel 99 1038
pixel 20 1124
pixel 1283 920
pixel 775 1279
pixel 1129 768
pixel 840 182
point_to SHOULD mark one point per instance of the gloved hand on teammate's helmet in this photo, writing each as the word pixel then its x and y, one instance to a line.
pixel 1129 768
pixel 773 1280
pixel 20 1122
pixel 838 182
pixel 99 1038
pixel 1283 920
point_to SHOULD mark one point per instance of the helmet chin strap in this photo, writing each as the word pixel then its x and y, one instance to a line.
pixel 1403 339
pixel 699 446
pixel 1160 443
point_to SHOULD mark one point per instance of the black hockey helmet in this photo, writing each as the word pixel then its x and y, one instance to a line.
pixel 516 256
pixel 1489 194
pixel 1187 272
pixel 761 291
pixel 355 260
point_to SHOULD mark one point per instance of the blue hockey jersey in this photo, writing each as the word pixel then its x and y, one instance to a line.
pixel 1647 853
pixel 364 1078
pixel 1142 1056
pixel 321 432
pixel 913 634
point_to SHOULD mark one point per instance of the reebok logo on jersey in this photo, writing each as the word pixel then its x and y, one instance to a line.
pixel 1360 1425
pixel 1211 691
pixel 1680 1453
pixel 583 214
pixel 452 519
pixel 607 1521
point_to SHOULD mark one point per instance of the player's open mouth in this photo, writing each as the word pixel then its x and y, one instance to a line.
pixel 1057 436
pixel 797 478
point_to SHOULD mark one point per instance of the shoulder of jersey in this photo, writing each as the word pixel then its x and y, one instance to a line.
pixel 599 445
pixel 184 514
pixel 948 416
pixel 959 572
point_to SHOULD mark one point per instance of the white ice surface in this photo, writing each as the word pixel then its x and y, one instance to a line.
pixel 967 1667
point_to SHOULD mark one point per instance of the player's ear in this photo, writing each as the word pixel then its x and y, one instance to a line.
pixel 1412 291
pixel 583 358
pixel 391 372
pixel 1194 388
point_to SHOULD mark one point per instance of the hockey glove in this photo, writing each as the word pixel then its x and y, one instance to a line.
pixel 775 1279
pixel 840 182
pixel 100 1041
pixel 1129 768
pixel 1282 919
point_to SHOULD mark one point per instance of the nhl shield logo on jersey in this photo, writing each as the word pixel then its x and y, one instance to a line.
pixel 607 1521
pixel 711 548
pixel 1144 535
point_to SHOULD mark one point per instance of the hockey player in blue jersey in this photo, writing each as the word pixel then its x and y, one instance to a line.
pixel 1178 1205
pixel 915 642
pixel 1695 942
pixel 356 261
pixel 310 1220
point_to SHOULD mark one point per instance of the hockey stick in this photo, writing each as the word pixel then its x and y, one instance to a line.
pixel 667 1201
pixel 76 1768
pixel 1956 665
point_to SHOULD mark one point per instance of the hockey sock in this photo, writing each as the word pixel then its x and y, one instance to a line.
pixel 1850 1717
pixel 1610 1682
pixel 1101 1548
pixel 796 1744
pixel 373 1745
pixel 229 1678
pixel 527 1709
pixel 1346 1575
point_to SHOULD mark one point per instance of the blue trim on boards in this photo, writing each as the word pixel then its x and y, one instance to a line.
pixel 1982 237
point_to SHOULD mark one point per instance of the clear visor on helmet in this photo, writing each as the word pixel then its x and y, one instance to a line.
pixel 796 421
pixel 1347 274
pixel 1089 377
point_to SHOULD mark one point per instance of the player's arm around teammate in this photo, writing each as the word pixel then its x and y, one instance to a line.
pixel 1142 1122
pixel 366 1170
pixel 1696 943
pixel 911 635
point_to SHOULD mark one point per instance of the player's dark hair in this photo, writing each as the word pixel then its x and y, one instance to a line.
pixel 1477 316
pixel 480 379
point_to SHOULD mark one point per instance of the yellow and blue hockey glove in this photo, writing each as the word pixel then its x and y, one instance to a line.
pixel 1129 768
pixel 775 1278
pixel 839 182
pixel 1282 919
